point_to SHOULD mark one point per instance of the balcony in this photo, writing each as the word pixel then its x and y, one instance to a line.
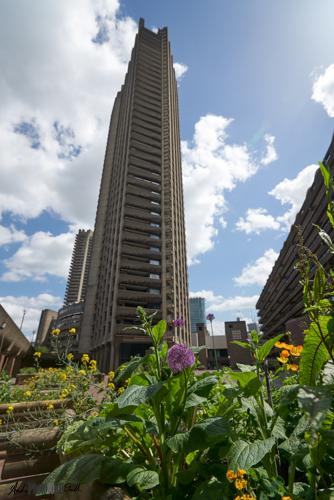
pixel 131 312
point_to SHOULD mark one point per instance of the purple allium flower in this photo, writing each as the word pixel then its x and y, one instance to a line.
pixel 210 317
pixel 179 357
pixel 178 322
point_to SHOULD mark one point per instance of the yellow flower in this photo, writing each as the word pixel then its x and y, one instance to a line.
pixel 81 372
pixel 294 368
pixel 240 484
pixel 305 332
pixel 63 376
pixel 50 407
pixel 72 330
pixel 70 356
pixel 0 422
pixel 111 374
pixel 230 475
pixel 282 360
pixel 37 354
pixel 57 422
pixel 28 393
pixel 111 385
pixel 55 333
pixel 94 413
pixel 286 498
pixel 278 344
pixel 120 390
pixel 71 387
pixel 127 381
pixel 121 368
pixel 85 358
pixel 10 409
pixel 241 473
pixel 289 347
pixel 285 354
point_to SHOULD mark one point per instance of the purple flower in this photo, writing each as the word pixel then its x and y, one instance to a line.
pixel 178 322
pixel 179 357
pixel 210 317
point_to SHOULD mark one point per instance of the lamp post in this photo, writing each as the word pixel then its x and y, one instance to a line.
pixel 24 313
pixel 32 340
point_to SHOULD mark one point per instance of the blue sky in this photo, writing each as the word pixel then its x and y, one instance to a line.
pixel 256 98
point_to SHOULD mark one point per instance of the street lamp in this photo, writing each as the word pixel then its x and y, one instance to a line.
pixel 32 340
pixel 24 313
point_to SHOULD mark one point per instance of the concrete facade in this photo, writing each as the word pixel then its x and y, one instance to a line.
pixel 47 315
pixel 78 275
pixel 197 312
pixel 13 344
pixel 236 330
pixel 281 299
pixel 139 248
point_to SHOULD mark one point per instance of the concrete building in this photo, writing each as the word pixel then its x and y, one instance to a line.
pixel 70 317
pixel 281 299
pixel 139 247
pixel 253 326
pixel 236 330
pixel 77 278
pixel 197 312
pixel 47 315
pixel 14 346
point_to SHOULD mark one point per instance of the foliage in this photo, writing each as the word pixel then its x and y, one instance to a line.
pixel 42 349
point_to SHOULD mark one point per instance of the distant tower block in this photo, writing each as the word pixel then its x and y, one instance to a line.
pixel 77 279
pixel 139 249
pixel 197 312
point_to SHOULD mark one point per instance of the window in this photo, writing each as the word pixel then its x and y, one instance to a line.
pixel 154 213
pixel 155 249
pixel 155 291
pixel 155 262
pixel 156 237
pixel 154 224
pixel 157 277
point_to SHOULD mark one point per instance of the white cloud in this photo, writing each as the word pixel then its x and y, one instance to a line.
pixel 219 303
pixel 323 90
pixel 11 235
pixel 180 70
pixel 210 166
pixel 154 29
pixel 15 305
pixel 40 255
pixel 256 221
pixel 259 272
pixel 271 151
pixel 293 191
pixel 56 103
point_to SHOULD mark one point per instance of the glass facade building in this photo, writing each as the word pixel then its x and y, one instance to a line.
pixel 197 312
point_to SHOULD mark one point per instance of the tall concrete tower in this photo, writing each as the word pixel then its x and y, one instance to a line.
pixel 77 278
pixel 139 247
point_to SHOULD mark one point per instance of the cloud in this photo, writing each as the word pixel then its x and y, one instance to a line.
pixel 154 29
pixel 271 151
pixel 34 305
pixel 293 192
pixel 259 272
pixel 219 303
pixel 56 103
pixel 180 70
pixel 323 90
pixel 40 255
pixel 10 235
pixel 256 221
pixel 210 166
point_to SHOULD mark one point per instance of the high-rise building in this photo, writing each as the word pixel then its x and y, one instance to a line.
pixel 47 315
pixel 139 246
pixel 281 299
pixel 197 312
pixel 77 278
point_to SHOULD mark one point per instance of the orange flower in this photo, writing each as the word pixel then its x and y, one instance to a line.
pixel 240 484
pixel 241 473
pixel 286 498
pixel 285 354
pixel 278 344
pixel 230 475
pixel 294 368
pixel 289 346
pixel 296 351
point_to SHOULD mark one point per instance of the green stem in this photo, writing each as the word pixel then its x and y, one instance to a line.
pixel 143 493
pixel 291 475
pixel 142 447
pixel 183 404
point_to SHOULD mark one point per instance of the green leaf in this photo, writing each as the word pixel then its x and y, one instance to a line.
pixel 173 398
pixel 115 471
pixel 264 350
pixel 201 436
pixel 158 331
pixel 203 387
pixel 146 478
pixel 162 350
pixel 129 369
pixel 328 436
pixel 288 395
pixel 246 368
pixel 315 354
pixel 254 336
pixel 243 344
pixel 249 382
pixel 328 373
pixel 82 470
pixel 294 448
pixel 315 401
pixel 196 349
pixel 244 455
pixel 212 490
pixel 136 395
pixel 194 400
pixel 324 236
pixel 279 429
